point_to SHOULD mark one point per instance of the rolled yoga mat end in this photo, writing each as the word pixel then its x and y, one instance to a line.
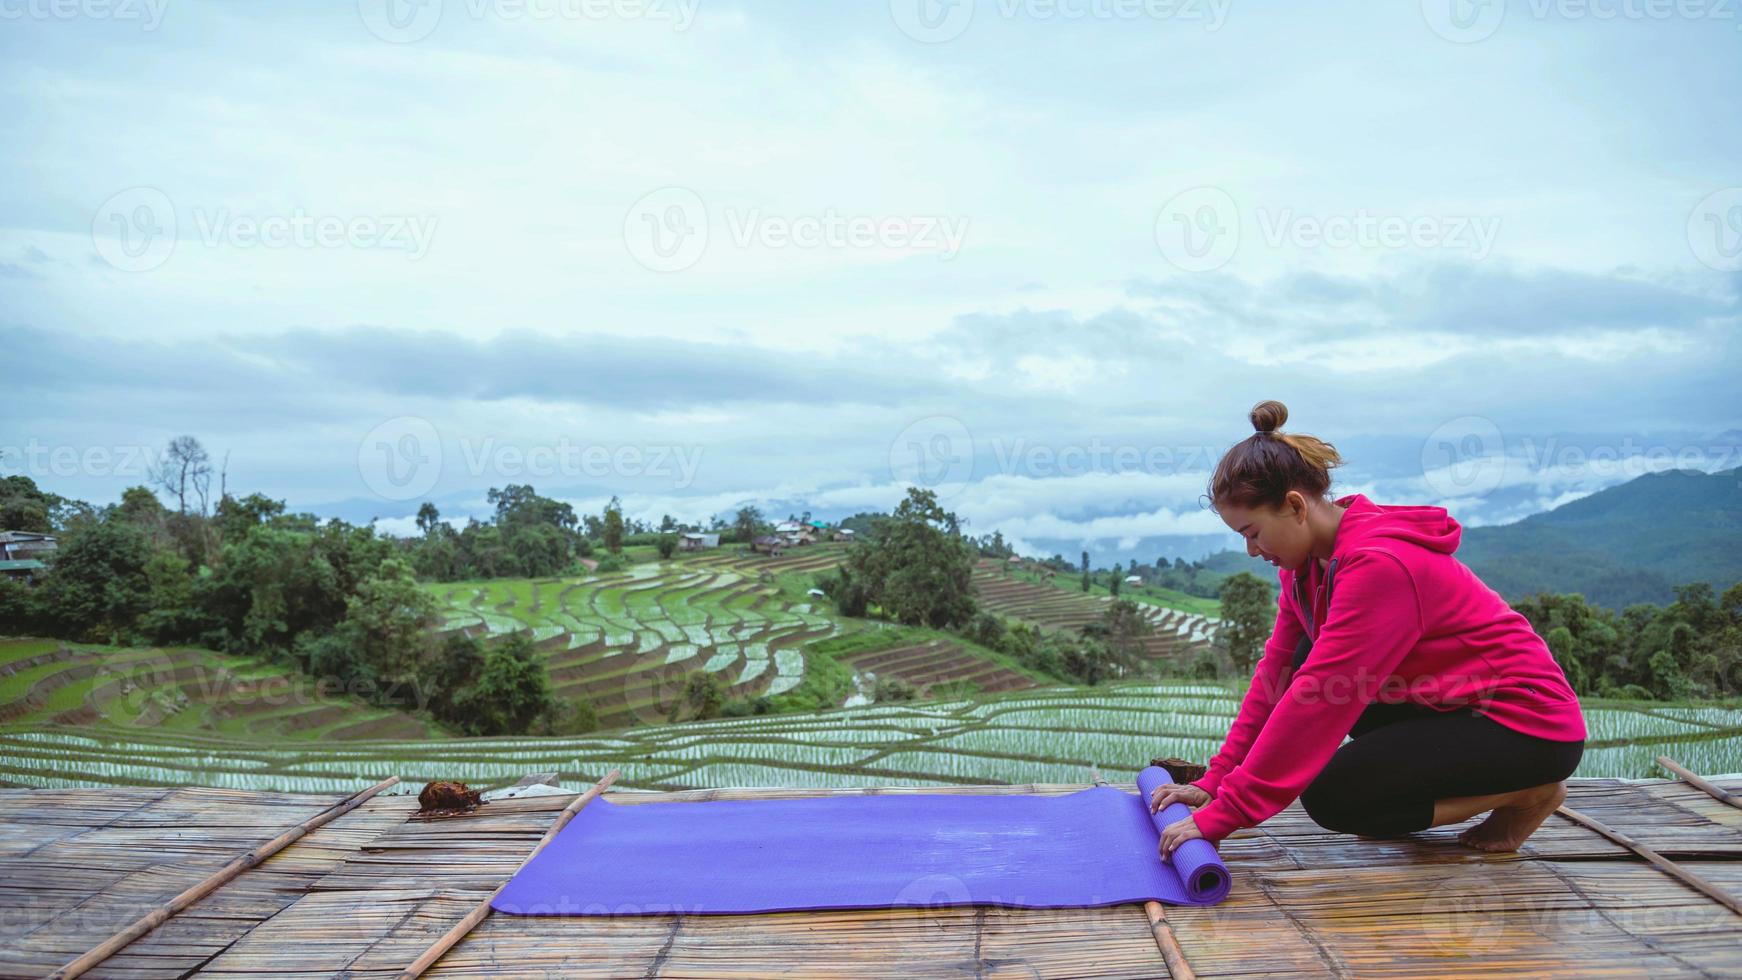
pixel 1199 865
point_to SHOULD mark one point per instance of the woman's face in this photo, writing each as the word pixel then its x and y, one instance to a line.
pixel 1279 536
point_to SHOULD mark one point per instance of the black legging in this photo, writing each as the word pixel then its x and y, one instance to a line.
pixel 1406 756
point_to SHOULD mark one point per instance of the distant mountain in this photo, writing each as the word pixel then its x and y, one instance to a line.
pixel 1630 543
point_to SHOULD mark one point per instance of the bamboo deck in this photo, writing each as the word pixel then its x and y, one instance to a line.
pixel 364 895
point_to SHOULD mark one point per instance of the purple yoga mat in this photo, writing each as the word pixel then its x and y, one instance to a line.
pixel 1095 847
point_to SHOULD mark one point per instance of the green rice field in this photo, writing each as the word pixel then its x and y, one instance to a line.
pixel 93 715
pixel 1058 734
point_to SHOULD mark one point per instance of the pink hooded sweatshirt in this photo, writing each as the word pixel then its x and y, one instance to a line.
pixel 1407 622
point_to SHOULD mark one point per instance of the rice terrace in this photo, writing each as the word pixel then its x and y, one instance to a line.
pixel 77 715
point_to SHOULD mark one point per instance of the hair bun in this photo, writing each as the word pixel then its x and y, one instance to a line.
pixel 1268 416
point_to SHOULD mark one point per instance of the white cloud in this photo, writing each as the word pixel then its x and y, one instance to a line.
pixel 1058 327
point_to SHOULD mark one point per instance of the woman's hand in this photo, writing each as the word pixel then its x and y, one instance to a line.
pixel 1177 833
pixel 1169 793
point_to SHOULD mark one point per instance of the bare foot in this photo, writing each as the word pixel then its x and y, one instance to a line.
pixel 1507 827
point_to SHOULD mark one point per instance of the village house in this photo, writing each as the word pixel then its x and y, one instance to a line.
pixel 697 541
pixel 21 553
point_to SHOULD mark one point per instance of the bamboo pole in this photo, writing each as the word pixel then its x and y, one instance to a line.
pixel 482 911
pixel 158 916
pixel 1717 792
pixel 1664 864
pixel 1177 966
pixel 1165 940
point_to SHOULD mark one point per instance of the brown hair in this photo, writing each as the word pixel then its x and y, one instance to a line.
pixel 1263 468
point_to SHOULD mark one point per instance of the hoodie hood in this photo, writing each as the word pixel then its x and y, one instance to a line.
pixel 1367 524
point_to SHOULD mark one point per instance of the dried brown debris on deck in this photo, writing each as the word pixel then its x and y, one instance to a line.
pixel 1181 771
pixel 370 891
pixel 444 798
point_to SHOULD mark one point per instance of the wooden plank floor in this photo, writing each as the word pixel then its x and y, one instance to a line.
pixel 76 866
pixel 362 896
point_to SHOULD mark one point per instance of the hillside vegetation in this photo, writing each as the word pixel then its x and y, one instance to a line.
pixel 1631 543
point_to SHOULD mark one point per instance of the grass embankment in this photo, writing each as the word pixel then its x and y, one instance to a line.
pixel 182 689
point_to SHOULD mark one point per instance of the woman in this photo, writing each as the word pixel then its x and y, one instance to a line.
pixel 1454 704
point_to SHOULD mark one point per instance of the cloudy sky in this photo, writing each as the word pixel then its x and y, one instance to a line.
pixel 1040 255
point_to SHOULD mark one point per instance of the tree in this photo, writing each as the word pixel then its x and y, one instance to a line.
pixel 171 615
pixel 667 546
pixel 1122 630
pixel 613 526
pixel 447 673
pixel 575 716
pixel 268 588
pixel 704 694
pixel 427 518
pixel 140 507
pixel 236 518
pixel 512 690
pixel 23 507
pixel 987 630
pixel 184 467
pixel 848 592
pixel 437 558
pixel 1085 571
pixel 19 609
pixel 537 550
pixel 1113 583
pixel 745 523
pixel 387 620
pixel 1667 679
pixel 887 689
pixel 521 504
pixel 916 566
pixel 1087 660
pixel 1247 618
pixel 96 587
